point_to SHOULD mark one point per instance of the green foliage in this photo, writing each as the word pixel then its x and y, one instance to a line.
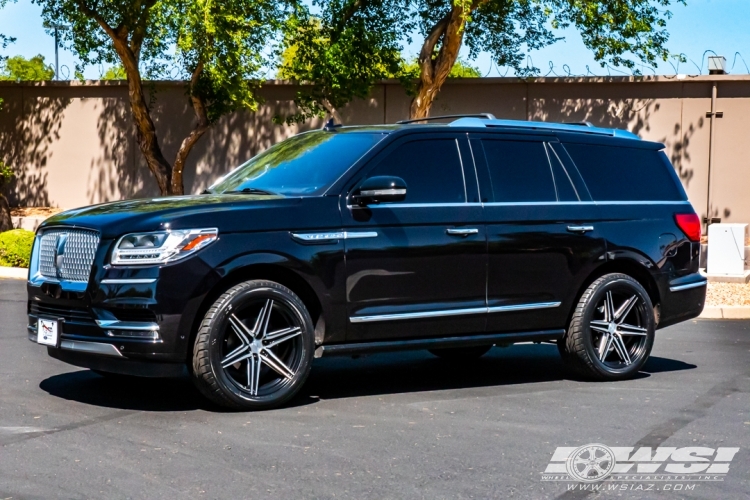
pixel 19 68
pixel 461 69
pixel 341 52
pixel 223 42
pixel 6 174
pixel 15 248
pixel 5 40
pixel 116 72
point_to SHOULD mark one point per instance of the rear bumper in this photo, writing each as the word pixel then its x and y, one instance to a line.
pixel 682 299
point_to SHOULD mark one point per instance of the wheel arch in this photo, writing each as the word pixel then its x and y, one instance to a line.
pixel 277 270
pixel 630 267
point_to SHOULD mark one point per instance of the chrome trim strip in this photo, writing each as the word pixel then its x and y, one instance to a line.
pixel 382 192
pixel 416 315
pixel 361 234
pixel 114 324
pixel 334 235
pixel 91 347
pixel 679 288
pixel 127 281
pixel 451 312
pixel 592 203
pixel 523 307
pixel 461 231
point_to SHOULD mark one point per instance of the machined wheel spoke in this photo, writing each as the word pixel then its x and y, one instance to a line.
pixel 243 332
pixel 600 326
pixel 621 349
pixel 261 324
pixel 609 308
pixel 625 309
pixel 276 364
pixel 604 346
pixel 625 329
pixel 236 356
pixel 253 374
pixel 279 336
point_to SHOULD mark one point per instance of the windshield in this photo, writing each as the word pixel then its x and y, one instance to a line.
pixel 303 165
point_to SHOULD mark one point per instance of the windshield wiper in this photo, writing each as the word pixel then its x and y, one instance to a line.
pixel 251 191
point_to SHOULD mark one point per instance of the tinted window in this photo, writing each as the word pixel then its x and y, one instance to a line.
pixel 305 164
pixel 431 169
pixel 625 174
pixel 519 171
pixel 566 191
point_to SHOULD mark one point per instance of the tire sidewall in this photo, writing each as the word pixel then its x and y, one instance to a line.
pixel 220 323
pixel 618 283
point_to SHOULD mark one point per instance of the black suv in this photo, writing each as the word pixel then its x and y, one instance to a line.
pixel 451 237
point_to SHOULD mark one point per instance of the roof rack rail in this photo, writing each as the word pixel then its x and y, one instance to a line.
pixel 486 116
pixel 580 124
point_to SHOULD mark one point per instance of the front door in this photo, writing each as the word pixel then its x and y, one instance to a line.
pixel 417 268
pixel 542 240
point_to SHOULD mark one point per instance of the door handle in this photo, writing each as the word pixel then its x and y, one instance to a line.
pixel 580 229
pixel 461 231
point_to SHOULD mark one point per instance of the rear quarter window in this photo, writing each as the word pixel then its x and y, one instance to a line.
pixel 615 173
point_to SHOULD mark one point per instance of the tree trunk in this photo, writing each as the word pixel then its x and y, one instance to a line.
pixel 449 32
pixel 146 131
pixel 177 187
pixel 6 223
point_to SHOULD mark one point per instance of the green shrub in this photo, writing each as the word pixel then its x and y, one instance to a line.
pixel 15 248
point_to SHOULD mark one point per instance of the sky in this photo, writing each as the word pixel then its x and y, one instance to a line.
pixel 720 26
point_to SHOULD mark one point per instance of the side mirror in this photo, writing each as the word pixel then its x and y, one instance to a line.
pixel 380 189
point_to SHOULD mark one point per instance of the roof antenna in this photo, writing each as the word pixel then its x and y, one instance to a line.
pixel 331 125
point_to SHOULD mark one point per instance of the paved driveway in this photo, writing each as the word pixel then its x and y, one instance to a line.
pixel 387 426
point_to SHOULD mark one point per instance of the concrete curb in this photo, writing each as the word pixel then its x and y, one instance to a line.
pixel 17 273
pixel 726 312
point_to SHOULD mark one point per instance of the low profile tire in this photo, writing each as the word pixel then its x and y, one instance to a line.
pixel 254 348
pixel 611 332
pixel 461 353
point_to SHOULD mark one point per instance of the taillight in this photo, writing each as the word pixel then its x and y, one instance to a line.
pixel 690 225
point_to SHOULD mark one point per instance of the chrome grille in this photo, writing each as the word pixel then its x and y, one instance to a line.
pixel 76 251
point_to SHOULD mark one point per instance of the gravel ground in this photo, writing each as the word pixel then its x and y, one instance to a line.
pixel 728 294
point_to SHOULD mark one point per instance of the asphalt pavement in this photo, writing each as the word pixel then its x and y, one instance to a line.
pixel 399 426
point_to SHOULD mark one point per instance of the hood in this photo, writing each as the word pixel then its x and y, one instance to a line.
pixel 228 212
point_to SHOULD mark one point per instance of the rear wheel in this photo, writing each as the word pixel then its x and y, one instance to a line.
pixel 461 353
pixel 254 348
pixel 612 330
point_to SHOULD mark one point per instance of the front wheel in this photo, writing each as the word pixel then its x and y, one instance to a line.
pixel 612 330
pixel 254 348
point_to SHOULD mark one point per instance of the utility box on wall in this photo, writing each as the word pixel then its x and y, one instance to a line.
pixel 726 249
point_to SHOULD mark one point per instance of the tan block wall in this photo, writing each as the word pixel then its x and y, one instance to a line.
pixel 74 144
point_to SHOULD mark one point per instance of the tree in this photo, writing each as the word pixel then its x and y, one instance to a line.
pixel 218 47
pixel 18 68
pixel 341 52
pixel 617 31
pixel 461 69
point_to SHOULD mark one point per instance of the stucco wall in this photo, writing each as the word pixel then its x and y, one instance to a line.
pixel 74 143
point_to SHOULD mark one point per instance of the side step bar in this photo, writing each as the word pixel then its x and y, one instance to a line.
pixel 438 343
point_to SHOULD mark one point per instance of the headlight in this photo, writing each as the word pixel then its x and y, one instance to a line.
pixel 162 246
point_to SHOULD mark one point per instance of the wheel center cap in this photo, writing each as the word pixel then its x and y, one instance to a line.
pixel 612 328
pixel 256 346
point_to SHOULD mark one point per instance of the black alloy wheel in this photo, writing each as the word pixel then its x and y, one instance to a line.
pixel 612 330
pixel 254 348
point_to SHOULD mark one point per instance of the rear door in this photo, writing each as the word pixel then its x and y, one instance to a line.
pixel 541 232
pixel 417 268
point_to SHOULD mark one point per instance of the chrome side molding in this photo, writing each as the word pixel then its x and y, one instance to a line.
pixel 688 286
pixel 452 312
pixel 332 236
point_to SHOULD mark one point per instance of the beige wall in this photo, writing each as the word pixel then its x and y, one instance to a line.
pixel 74 143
